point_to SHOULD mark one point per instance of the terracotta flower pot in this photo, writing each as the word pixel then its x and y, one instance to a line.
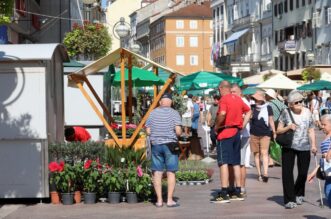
pixel 55 197
pixel 77 197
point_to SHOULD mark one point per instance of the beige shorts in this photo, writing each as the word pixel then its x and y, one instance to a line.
pixel 259 143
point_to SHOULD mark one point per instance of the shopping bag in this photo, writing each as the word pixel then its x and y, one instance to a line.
pixel 275 152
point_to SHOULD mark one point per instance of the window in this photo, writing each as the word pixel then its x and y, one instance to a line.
pixel 276 62
pixel 291 5
pixel 218 13
pixel 214 13
pixel 180 60
pixel 194 24
pixel 303 54
pixel 281 63
pixel 298 3
pixel 303 3
pixel 329 15
pixel 286 62
pixel 276 37
pixel 280 8
pixel 309 28
pixel 20 6
pixel 275 10
pixel 193 41
pixel 180 41
pixel 179 24
pixel 285 6
pixel 292 62
pixel 298 60
pixel 222 10
pixel 193 60
pixel 309 1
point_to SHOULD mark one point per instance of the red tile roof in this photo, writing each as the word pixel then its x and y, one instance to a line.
pixel 193 10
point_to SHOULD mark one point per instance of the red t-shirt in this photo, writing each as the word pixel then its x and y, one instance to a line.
pixel 234 108
pixel 81 134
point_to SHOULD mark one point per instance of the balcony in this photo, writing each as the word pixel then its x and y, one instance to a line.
pixel 287 45
pixel 244 21
pixel 267 14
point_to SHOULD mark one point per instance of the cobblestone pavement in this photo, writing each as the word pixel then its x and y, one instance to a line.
pixel 264 200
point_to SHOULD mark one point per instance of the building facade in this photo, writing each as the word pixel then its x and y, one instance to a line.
pixel 182 39
pixel 242 36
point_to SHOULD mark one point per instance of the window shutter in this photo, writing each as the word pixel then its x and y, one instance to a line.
pixel 329 15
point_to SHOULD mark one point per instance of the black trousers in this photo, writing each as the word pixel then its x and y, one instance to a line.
pixel 292 189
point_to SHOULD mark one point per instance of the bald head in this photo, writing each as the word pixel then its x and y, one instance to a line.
pixel 235 89
pixel 165 102
pixel 224 88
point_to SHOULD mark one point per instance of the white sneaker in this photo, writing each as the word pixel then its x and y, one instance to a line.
pixel 290 205
pixel 299 200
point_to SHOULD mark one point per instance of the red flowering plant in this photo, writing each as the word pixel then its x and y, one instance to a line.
pixel 138 181
pixel 91 175
pixel 130 128
pixel 63 176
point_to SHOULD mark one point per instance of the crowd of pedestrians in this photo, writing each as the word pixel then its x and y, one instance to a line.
pixel 239 125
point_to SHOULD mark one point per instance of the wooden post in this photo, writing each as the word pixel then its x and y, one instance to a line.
pixel 156 72
pixel 154 104
pixel 130 87
pixel 96 110
pixel 105 110
pixel 123 97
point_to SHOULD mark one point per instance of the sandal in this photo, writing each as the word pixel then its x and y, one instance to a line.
pixel 158 205
pixel 265 178
pixel 260 178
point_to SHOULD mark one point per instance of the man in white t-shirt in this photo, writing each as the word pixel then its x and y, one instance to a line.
pixel 244 141
pixel 187 116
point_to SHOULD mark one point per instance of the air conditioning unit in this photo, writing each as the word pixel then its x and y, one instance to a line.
pixel 269 7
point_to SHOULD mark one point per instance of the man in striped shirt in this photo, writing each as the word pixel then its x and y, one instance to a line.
pixel 164 126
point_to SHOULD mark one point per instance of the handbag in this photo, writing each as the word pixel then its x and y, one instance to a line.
pixel 275 152
pixel 285 139
pixel 174 147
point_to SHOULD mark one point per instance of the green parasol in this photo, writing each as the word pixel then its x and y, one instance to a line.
pixel 316 85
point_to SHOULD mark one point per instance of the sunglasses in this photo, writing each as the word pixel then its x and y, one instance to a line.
pixel 296 103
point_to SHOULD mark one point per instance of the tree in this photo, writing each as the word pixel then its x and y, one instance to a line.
pixel 6 11
pixel 311 73
pixel 88 42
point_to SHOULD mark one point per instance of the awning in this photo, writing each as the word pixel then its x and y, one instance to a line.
pixel 235 36
pixel 291 52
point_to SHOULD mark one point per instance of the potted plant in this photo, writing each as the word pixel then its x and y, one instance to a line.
pixel 137 184
pixel 78 186
pixel 91 176
pixel 64 178
pixel 113 179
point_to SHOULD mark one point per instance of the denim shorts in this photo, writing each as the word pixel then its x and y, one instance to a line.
pixel 163 159
pixel 228 150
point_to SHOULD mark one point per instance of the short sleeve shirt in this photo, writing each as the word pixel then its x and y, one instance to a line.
pixel 258 126
pixel 234 108
pixel 163 121
pixel 189 106
pixel 81 134
pixel 304 122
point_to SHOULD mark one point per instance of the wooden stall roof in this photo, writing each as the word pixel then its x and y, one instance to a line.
pixel 111 59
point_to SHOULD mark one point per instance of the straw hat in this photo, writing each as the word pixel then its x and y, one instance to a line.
pixel 271 93
pixel 259 95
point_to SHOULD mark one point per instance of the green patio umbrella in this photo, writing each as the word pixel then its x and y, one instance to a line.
pixel 140 78
pixel 316 85
pixel 204 80
pixel 249 90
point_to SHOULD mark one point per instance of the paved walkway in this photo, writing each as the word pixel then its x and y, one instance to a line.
pixel 264 201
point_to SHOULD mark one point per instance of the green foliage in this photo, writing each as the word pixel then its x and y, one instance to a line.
pixel 138 181
pixel 311 73
pixel 113 179
pixel 65 179
pixel 179 104
pixel 267 76
pixel 74 152
pixel 91 175
pixel 6 11
pixel 122 157
pixel 193 171
pixel 91 40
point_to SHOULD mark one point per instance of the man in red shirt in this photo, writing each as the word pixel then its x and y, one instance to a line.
pixel 229 121
pixel 77 133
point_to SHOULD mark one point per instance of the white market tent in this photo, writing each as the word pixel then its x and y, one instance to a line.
pixel 258 78
pixel 279 82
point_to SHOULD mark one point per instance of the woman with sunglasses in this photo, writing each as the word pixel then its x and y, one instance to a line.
pixel 303 142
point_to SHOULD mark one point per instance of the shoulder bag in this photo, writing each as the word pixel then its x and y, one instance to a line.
pixel 285 139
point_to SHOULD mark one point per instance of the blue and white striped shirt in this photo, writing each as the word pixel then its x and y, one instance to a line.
pixel 325 145
pixel 163 121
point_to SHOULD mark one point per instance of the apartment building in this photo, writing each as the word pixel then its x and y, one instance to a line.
pixel 322 32
pixel 242 36
pixel 182 39
pixel 293 33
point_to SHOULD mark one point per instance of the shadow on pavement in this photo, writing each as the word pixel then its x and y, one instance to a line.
pixel 313 217
pixel 277 198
